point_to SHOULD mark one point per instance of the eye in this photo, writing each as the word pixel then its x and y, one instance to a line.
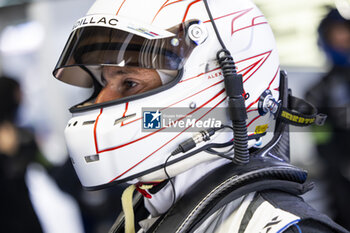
pixel 130 84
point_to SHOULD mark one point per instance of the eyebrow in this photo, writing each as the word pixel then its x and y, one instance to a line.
pixel 124 71
pixel 118 72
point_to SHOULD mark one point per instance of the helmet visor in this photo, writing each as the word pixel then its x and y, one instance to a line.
pixel 102 46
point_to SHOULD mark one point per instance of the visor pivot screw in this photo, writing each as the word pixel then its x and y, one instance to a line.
pixel 193 105
pixel 197 33
pixel 175 42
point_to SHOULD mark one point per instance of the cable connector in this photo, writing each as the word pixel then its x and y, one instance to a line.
pixel 201 136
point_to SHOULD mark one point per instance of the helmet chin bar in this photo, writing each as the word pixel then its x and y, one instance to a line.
pixel 174 167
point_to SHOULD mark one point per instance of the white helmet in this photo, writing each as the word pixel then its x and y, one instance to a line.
pixel 108 141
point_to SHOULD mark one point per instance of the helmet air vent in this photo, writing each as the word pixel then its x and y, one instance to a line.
pixel 88 122
pixel 120 120
pixel 92 158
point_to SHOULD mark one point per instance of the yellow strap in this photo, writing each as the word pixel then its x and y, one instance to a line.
pixel 128 209
pixel 146 186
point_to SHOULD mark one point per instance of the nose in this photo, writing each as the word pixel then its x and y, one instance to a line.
pixel 108 93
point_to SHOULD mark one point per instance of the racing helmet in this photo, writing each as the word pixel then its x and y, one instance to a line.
pixel 122 45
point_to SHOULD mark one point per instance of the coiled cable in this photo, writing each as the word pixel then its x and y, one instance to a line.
pixel 235 93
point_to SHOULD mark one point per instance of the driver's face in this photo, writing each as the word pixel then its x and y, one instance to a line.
pixel 121 82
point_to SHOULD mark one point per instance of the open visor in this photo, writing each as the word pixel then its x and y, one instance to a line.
pixel 100 46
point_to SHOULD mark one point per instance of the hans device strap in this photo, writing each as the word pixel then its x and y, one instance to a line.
pixel 301 113
pixel 296 111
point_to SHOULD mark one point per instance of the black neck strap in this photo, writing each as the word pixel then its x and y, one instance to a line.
pixel 300 113
pixel 289 109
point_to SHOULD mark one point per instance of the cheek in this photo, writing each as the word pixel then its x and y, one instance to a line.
pixel 153 80
pixel 157 82
pixel 109 92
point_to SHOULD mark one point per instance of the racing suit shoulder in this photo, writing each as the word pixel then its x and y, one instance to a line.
pixel 268 211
